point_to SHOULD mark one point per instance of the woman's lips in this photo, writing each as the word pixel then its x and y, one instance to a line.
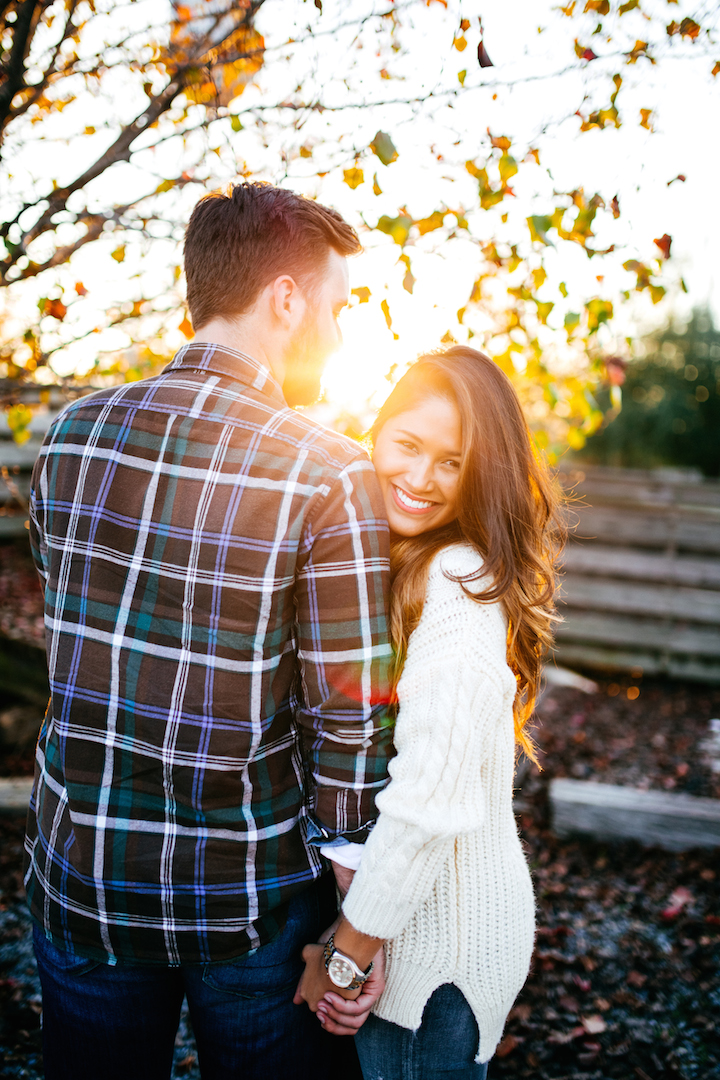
pixel 410 505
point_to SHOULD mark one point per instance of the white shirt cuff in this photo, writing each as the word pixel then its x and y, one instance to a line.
pixel 345 854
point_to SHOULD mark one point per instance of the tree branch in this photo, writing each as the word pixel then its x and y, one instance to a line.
pixel 15 70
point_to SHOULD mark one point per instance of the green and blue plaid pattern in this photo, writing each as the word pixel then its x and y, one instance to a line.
pixel 216 579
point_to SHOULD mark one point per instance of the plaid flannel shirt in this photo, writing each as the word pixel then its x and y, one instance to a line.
pixel 216 577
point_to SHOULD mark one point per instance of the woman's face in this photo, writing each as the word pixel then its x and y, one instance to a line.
pixel 417 458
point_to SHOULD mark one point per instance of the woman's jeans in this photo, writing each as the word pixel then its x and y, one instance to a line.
pixel 120 1022
pixel 444 1045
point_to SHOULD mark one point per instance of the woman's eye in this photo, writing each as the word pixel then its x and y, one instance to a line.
pixel 453 464
pixel 407 445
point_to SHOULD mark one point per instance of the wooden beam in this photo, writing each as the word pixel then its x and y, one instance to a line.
pixel 638 598
pixel 605 560
pixel 608 658
pixel 624 631
pixel 649 528
pixel 15 794
pixel 669 820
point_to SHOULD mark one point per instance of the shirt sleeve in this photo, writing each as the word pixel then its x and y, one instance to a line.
pixel 342 594
pixel 454 692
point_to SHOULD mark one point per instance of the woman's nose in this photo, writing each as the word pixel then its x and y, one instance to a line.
pixel 419 476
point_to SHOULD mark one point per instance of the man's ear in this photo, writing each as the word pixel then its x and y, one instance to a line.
pixel 286 301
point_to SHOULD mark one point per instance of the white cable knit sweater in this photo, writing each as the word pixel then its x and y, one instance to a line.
pixel 443 875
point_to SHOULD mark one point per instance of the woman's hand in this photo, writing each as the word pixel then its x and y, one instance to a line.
pixel 315 981
pixel 340 1016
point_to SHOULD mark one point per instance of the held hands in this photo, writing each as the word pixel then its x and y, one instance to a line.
pixel 341 1012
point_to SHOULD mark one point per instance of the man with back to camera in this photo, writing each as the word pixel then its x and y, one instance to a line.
pixel 216 578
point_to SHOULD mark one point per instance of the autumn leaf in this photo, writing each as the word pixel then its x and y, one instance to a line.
pixel 385 308
pixel 629 6
pixel 398 227
pixel 166 185
pixel 384 148
pixel 664 244
pixel 594 1025
pixel 56 309
pixel 408 280
pixel 680 176
pixel 679 899
pixel 638 49
pixel 80 288
pixel 716 68
pixel 601 6
pixel 689 28
pixel 429 224
pixel 305 151
pixel 362 292
pixel 460 43
pixel 377 190
pixel 615 206
pixel 483 59
pixel 236 125
pixel 508 167
pixel 186 327
pixel 538 225
pixel 645 115
pixel 118 254
pixel 353 177
pixel 599 312
pixel 499 142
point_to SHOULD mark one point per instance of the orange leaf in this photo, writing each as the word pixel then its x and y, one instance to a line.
pixel 80 288
pixel 186 327
pixel 664 244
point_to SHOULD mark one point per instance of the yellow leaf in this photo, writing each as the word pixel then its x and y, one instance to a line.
pixel 377 190
pixel 353 177
pixel 460 43
pixel 645 115
pixel 461 76
pixel 166 185
pixel 305 151
pixel 118 254
pixel 362 292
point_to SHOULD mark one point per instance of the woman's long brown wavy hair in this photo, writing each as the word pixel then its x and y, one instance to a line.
pixel 507 510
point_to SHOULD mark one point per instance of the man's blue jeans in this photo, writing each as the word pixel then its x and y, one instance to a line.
pixel 444 1045
pixel 119 1023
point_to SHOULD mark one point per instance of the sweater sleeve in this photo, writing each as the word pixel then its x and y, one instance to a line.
pixel 452 694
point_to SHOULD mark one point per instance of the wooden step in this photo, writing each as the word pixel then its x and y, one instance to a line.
pixel 605 560
pixel 619 630
pixel 669 820
pixel 637 598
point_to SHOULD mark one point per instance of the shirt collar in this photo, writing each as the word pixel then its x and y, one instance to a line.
pixel 205 356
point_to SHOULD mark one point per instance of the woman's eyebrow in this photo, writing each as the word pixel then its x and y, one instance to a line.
pixel 419 439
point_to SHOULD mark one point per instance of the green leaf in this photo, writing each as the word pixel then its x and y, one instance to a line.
pixel 571 321
pixel 235 123
pixel 508 167
pixel 384 148
pixel 398 227
pixel 629 6
pixel 538 225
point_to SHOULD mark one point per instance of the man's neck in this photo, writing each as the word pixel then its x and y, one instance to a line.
pixel 244 338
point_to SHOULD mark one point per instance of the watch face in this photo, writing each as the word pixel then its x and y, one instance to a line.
pixel 340 972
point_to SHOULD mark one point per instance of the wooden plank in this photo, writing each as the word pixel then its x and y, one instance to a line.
pixel 24 456
pixel 12 525
pixel 672 821
pixel 609 658
pixel 15 794
pixel 637 598
pixel 648 528
pixel 657 487
pixel 623 562
pixel 21 481
pixel 634 632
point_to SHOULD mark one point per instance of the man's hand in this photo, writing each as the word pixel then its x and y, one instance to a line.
pixel 340 1016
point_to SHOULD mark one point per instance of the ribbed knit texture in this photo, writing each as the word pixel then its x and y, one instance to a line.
pixel 443 876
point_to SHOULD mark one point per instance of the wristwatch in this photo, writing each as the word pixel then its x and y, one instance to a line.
pixel 341 970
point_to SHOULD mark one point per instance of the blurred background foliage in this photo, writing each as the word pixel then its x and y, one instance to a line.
pixel 670 413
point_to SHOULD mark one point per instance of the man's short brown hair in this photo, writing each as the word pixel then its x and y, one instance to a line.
pixel 240 240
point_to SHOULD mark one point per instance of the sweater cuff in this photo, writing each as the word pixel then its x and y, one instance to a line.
pixel 370 915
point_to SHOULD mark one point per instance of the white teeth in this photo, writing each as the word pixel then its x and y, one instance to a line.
pixel 412 504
